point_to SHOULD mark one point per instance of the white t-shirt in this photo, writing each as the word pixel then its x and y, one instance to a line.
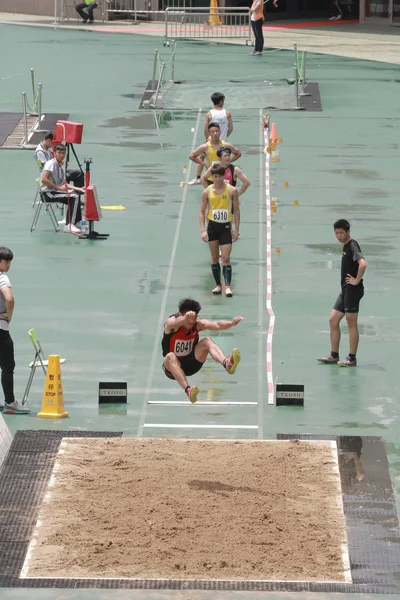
pixel 219 116
pixel 4 282
pixel 42 154
pixel 57 174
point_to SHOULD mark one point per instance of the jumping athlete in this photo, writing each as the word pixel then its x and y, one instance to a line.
pixel 232 172
pixel 348 302
pixel 184 354
pixel 206 154
pixel 218 202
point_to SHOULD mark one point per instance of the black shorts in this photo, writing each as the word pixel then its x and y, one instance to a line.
pixel 221 232
pixel 190 365
pixel 349 298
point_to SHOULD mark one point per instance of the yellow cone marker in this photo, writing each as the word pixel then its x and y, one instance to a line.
pixel 277 159
pixel 280 140
pixel 273 208
pixel 278 250
pixel 53 395
pixel 286 184
pixel 296 202
pixel 182 184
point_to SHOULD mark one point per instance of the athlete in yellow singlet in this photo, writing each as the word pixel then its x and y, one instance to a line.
pixel 220 204
pixel 206 154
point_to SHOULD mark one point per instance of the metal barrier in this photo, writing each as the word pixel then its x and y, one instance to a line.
pixel 136 8
pixel 216 23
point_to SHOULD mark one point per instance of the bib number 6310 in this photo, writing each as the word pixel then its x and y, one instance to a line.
pixel 220 215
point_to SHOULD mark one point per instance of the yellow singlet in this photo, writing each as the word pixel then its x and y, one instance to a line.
pixel 220 205
pixel 211 156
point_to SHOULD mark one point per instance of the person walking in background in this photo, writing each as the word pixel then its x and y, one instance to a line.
pixel 219 115
pixel 257 20
pixel 348 302
pixel 7 362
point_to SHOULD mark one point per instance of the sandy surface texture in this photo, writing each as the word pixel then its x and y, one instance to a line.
pixel 191 509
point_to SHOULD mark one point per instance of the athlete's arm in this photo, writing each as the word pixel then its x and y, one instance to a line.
pixel 235 152
pixel 236 213
pixel 202 217
pixel 196 154
pixel 362 265
pixel 204 324
pixel 230 122
pixel 205 176
pixel 175 323
pixel 207 121
pixel 238 173
pixel 9 298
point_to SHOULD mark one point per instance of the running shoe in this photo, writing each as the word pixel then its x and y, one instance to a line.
pixel 192 393
pixel 195 181
pixel 217 289
pixel 1 407
pixel 347 362
pixel 228 291
pixel 15 409
pixel 232 362
pixel 328 360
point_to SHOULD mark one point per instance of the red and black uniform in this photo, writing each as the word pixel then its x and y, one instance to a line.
pixel 182 343
pixel 228 176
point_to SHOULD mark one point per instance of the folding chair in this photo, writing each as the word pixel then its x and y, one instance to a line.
pixel 49 209
pixel 38 361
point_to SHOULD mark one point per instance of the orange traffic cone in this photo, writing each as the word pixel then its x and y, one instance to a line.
pixel 273 137
pixel 214 18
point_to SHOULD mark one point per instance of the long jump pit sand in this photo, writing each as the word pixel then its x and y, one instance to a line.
pixel 192 509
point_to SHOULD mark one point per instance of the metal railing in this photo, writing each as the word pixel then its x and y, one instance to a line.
pixel 216 23
pixel 132 8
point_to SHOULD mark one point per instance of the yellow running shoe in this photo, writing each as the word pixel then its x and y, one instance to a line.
pixel 192 393
pixel 232 362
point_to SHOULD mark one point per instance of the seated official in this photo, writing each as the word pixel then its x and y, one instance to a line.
pixel 85 10
pixel 44 151
pixel 56 189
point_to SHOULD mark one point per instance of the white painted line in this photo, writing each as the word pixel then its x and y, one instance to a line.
pixel 345 546
pixel 188 426
pixel 270 377
pixel 187 403
pixel 260 415
pixel 156 346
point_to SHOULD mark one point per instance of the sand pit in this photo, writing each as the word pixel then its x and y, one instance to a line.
pixel 191 509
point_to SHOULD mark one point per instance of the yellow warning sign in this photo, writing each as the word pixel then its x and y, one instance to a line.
pixel 53 395
pixel 113 207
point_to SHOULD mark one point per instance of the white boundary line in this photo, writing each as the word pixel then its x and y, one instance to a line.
pixel 345 545
pixel 270 377
pixel 192 426
pixel 183 403
pixel 260 415
pixel 46 499
pixel 156 346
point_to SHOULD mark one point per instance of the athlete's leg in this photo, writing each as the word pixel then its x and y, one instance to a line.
pixel 207 346
pixel 215 266
pixel 226 250
pixel 352 322
pixel 172 364
pixel 334 327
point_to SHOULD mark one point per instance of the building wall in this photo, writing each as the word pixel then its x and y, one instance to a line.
pixel 28 7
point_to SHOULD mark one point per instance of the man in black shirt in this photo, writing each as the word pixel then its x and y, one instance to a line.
pixel 348 302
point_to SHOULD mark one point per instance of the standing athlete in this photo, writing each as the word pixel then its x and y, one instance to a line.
pixel 184 354
pixel 219 115
pixel 206 154
pixel 7 363
pixel 232 172
pixel 348 302
pixel 218 202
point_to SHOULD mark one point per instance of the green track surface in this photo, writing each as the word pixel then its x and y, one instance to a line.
pixel 100 304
